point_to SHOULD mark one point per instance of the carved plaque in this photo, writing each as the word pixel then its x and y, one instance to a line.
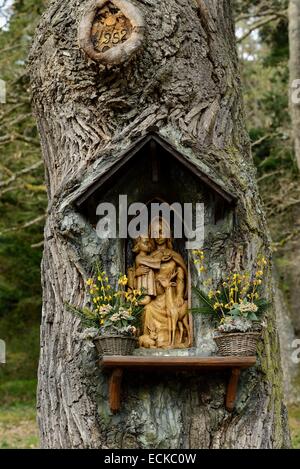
pixel 111 31
pixel 110 28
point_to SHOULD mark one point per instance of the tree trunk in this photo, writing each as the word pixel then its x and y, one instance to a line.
pixel 286 339
pixel 294 66
pixel 185 85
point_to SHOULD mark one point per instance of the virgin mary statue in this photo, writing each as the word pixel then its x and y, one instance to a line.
pixel 165 316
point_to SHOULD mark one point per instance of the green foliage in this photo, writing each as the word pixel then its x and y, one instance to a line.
pixel 88 317
pixel 111 310
pixel 22 200
pixel 14 393
pixel 238 295
pixel 267 107
pixel 276 36
pixel 205 304
pixel 206 307
pixel 265 76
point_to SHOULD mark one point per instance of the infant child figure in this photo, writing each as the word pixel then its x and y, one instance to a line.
pixel 145 265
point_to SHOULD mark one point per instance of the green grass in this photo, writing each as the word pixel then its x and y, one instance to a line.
pixel 294 420
pixel 17 392
pixel 18 428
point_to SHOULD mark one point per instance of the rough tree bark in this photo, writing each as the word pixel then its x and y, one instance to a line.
pixel 294 67
pixel 185 84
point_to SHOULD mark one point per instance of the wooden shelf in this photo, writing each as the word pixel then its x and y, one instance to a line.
pixel 117 364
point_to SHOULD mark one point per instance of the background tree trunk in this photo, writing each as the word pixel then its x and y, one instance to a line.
pixel 286 339
pixel 294 66
pixel 184 84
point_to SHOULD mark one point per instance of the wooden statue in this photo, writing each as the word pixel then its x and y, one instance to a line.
pixel 162 274
pixel 145 265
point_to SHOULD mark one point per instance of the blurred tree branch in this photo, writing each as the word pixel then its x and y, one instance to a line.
pixel 260 23
pixel 18 174
pixel 252 15
pixel 24 225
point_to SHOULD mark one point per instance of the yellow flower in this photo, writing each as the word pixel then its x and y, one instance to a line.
pixel 123 280
pixel 207 282
pixel 89 281
pixel 202 269
pixel 210 294
pixel 100 278
pixel 262 261
pixel 198 252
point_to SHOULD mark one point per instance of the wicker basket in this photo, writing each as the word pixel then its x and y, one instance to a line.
pixel 237 343
pixel 115 345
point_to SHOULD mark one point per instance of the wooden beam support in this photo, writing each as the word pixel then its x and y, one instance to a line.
pixel 116 365
pixel 115 382
pixel 232 389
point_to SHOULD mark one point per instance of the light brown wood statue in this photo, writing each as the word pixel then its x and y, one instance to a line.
pixel 162 273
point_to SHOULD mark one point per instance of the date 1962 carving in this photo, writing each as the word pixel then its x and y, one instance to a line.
pixel 111 31
pixel 110 28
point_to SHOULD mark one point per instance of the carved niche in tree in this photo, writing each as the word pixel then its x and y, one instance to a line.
pixel 111 31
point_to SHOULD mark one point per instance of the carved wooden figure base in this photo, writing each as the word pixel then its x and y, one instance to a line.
pixel 116 365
